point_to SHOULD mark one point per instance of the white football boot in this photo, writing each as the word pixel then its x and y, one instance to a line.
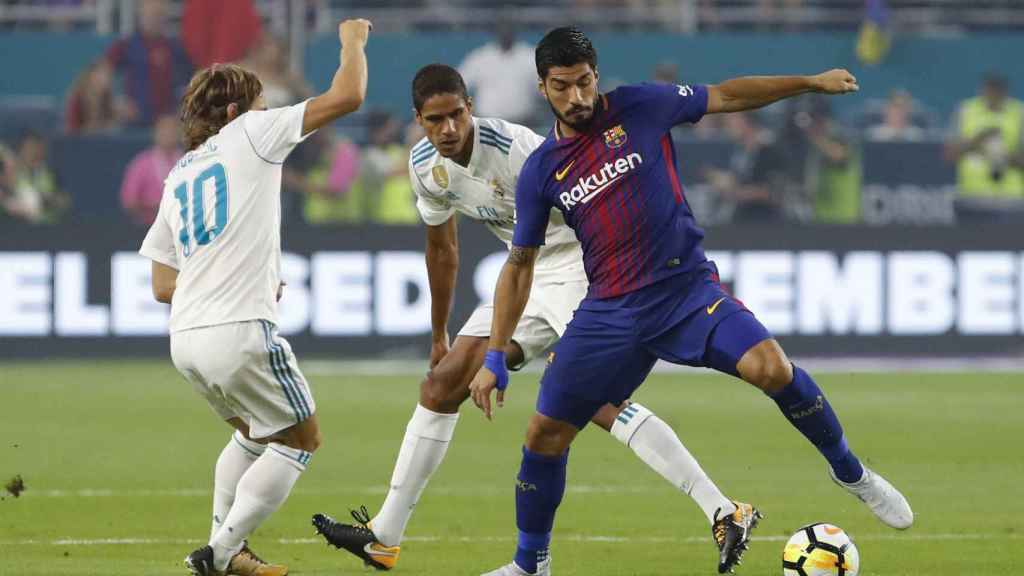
pixel 881 497
pixel 513 569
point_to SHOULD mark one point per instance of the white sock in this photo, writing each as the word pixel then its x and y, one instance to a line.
pixel 261 491
pixel 423 448
pixel 234 460
pixel 657 445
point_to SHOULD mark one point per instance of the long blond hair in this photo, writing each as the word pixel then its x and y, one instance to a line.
pixel 204 107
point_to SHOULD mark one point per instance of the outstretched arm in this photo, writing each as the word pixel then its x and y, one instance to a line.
pixel 348 89
pixel 751 92
pixel 510 297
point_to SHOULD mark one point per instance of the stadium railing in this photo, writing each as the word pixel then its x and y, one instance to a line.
pixel 291 17
pixel 686 16
pixel 98 15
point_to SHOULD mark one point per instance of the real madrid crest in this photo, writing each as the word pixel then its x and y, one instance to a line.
pixel 440 175
pixel 496 186
pixel 615 136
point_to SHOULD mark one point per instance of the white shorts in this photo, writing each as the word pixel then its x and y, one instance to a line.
pixel 548 311
pixel 245 370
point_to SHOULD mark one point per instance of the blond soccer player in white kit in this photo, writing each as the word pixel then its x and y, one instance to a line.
pixel 470 165
pixel 216 251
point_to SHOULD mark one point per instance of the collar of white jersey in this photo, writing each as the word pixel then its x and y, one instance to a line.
pixel 474 157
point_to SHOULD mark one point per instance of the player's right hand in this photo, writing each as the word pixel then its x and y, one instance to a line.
pixel 438 349
pixel 836 81
pixel 354 32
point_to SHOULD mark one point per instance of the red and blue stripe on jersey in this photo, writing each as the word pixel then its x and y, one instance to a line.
pixel 618 188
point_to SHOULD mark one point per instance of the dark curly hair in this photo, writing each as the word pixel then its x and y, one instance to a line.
pixel 565 46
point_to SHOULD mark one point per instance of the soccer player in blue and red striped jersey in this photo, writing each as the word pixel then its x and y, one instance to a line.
pixel 609 166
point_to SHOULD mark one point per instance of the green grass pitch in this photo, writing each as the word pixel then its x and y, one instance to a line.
pixel 117 458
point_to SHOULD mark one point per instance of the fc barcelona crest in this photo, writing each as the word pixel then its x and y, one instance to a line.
pixel 440 175
pixel 615 137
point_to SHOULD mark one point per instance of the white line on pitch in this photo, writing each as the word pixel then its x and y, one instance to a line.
pixel 360 490
pixel 416 368
pixel 501 539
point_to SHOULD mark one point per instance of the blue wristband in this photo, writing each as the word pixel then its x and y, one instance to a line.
pixel 495 362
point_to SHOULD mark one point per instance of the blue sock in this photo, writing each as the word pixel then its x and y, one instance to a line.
pixel 806 408
pixel 539 490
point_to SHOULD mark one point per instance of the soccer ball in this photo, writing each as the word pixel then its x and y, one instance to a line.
pixel 820 550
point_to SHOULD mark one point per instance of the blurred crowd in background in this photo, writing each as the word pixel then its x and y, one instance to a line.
pixel 796 161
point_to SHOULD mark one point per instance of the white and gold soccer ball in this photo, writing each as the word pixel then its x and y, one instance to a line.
pixel 820 550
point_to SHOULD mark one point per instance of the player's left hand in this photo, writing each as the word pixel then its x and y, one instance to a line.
pixel 837 81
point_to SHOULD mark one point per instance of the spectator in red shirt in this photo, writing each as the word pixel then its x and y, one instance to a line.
pixel 221 31
pixel 143 183
pixel 152 65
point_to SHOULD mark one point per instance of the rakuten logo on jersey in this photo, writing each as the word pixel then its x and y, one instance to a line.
pixel 588 187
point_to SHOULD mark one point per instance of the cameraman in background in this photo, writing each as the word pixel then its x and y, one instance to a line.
pixel 28 186
pixel 985 143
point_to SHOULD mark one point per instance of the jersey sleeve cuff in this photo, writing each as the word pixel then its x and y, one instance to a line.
pixel 302 137
pixel 436 218
pixel 160 257
pixel 527 243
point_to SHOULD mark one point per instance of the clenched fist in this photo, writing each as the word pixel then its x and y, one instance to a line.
pixel 837 81
pixel 352 32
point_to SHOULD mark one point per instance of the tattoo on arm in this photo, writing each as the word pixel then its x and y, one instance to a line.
pixel 519 256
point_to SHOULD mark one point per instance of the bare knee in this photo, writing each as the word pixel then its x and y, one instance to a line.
pixel 312 443
pixel 303 436
pixel 778 375
pixel 307 443
pixel 440 392
pixel 767 367
pixel 605 417
pixel 548 436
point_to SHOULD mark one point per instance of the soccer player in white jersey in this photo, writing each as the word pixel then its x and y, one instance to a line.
pixel 470 165
pixel 216 251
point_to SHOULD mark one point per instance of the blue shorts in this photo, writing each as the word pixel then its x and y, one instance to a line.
pixel 611 344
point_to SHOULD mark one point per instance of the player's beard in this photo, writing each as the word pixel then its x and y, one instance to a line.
pixel 580 126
